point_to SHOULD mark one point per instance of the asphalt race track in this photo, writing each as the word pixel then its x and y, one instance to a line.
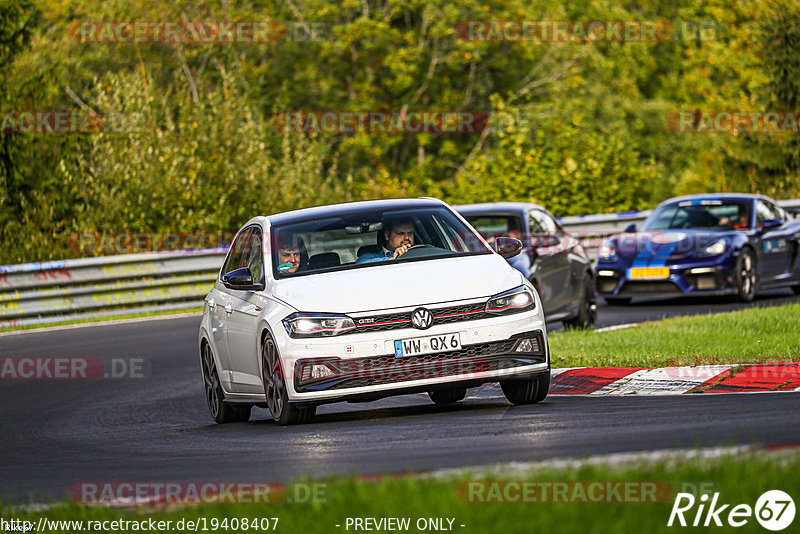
pixel 156 428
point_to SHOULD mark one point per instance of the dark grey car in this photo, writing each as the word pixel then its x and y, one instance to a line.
pixel 552 259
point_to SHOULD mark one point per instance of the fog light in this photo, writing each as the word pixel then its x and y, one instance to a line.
pixel 528 345
pixel 605 273
pixel 315 370
pixel 702 270
pixel 320 371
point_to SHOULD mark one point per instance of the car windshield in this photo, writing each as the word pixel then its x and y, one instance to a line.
pixel 366 239
pixel 706 214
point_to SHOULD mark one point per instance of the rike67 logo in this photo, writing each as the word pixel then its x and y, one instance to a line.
pixel 774 510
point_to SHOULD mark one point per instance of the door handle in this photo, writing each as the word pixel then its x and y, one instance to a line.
pixel 228 308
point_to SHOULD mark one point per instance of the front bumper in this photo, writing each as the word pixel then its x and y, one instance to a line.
pixel 693 278
pixel 366 367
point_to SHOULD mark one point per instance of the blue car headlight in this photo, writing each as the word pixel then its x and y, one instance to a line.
pixel 512 301
pixel 715 249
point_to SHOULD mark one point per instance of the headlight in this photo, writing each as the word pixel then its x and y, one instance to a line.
pixel 515 300
pixel 317 324
pixel 607 252
pixel 715 249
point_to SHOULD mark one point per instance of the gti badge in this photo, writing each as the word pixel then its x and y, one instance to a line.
pixel 422 318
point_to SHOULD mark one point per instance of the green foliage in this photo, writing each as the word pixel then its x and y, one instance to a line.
pixel 561 162
pixel 771 164
pixel 578 127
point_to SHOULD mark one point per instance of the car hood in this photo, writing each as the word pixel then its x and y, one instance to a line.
pixel 663 244
pixel 399 285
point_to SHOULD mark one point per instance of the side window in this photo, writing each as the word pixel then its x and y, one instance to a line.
pixel 541 223
pixel 777 212
pixel 535 223
pixel 254 256
pixel 237 252
pixel 763 213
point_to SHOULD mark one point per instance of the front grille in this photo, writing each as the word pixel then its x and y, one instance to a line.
pixel 470 360
pixel 450 314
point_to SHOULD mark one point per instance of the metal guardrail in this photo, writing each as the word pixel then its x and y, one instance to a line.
pixel 56 291
pixel 42 293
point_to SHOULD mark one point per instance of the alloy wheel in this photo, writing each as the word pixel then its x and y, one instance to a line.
pixel 747 276
pixel 211 381
pixel 273 378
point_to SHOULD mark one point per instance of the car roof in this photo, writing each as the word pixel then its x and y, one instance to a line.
pixel 718 196
pixel 331 210
pixel 496 207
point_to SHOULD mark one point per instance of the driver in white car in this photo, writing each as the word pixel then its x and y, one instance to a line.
pixel 399 237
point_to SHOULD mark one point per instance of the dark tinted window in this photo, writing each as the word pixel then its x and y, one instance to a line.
pixel 712 214
pixel 254 256
pixel 237 251
pixel 492 226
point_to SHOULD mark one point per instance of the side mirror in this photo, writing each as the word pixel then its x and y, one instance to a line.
pixel 241 279
pixel 770 224
pixel 630 228
pixel 508 247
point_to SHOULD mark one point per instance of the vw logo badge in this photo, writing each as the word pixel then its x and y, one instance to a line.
pixel 422 318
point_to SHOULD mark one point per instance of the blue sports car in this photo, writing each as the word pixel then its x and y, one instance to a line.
pixel 721 244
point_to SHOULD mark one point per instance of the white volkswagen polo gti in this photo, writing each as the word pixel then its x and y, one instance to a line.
pixel 358 301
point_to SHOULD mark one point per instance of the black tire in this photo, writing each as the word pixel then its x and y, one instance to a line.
pixel 617 301
pixel 587 310
pixel 448 396
pixel 796 289
pixel 746 276
pixel 528 391
pixel 275 389
pixel 215 397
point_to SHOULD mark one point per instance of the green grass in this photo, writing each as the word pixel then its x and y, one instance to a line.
pixel 746 336
pixel 740 479
pixel 87 320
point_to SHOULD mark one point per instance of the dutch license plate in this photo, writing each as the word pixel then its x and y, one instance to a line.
pixel 648 272
pixel 427 345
